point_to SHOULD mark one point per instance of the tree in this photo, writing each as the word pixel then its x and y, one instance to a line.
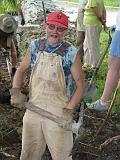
pixel 8 6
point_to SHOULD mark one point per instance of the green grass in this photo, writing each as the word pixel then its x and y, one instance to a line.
pixel 113 3
pixel 100 78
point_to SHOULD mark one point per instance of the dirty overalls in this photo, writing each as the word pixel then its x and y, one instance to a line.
pixel 47 91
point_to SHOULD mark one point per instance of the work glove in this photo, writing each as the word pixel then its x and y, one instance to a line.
pixel 17 97
pixel 67 119
pixel 13 71
pixel 68 114
pixel 22 21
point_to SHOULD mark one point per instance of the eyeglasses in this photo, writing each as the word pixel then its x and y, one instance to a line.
pixel 52 27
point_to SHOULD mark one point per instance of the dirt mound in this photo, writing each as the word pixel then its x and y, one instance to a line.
pixel 86 147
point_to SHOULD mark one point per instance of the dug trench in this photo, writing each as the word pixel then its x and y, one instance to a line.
pixel 88 145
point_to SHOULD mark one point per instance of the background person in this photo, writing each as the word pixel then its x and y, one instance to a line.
pixel 13 8
pixel 81 27
pixel 94 18
pixel 56 67
pixel 7 28
pixel 113 74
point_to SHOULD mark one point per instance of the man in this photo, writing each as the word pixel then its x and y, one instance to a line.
pixel 81 27
pixel 56 66
pixel 113 74
pixel 7 27
pixel 94 18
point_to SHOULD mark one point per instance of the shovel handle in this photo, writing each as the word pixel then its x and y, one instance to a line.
pixel 44 113
pixel 101 60
pixel 8 67
pixel 44 12
pixel 113 99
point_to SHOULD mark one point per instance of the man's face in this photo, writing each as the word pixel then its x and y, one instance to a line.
pixel 55 33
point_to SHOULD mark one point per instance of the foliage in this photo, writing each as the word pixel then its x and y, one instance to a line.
pixel 10 5
pixel 113 3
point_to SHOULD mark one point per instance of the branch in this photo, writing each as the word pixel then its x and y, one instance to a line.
pixel 88 145
pixel 6 154
pixel 108 141
pixel 92 154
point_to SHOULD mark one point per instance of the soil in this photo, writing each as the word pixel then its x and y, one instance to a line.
pixel 86 146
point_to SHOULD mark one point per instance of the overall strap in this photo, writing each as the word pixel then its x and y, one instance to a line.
pixel 42 44
pixel 60 50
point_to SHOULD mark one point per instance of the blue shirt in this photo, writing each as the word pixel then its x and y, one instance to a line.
pixel 68 58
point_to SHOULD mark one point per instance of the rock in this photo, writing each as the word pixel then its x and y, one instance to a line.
pixel 33 9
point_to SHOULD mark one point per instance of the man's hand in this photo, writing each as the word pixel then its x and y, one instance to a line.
pixel 17 97
pixel 13 71
pixel 68 114
pixel 22 21
pixel 105 28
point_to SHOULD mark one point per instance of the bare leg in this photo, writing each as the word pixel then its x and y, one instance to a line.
pixel 112 78
pixel 80 41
